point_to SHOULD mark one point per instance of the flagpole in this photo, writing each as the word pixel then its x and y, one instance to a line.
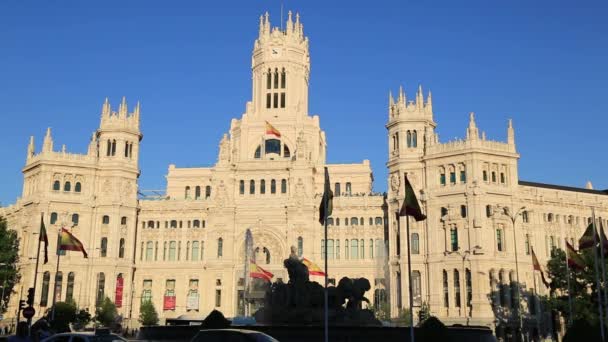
pixel 409 266
pixel 29 320
pixel 326 318
pixel 539 308
pixel 55 283
pixel 597 278
pixel 568 281
pixel 602 263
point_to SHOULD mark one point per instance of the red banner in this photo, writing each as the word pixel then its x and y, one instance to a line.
pixel 119 287
pixel 169 303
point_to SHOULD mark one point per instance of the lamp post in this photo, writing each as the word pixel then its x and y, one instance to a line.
pixel 513 216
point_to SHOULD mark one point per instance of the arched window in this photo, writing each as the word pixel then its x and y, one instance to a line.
pixel 415 139
pixel 502 178
pixel 258 151
pixel 105 219
pixel 446 294
pixel 67 186
pixel 338 249
pixel 187 192
pixel 208 191
pixel 469 285
pixel 101 286
pixel 126 149
pixel 493 177
pixel 488 210
pixel 267 255
pixel 283 78
pixel 457 288
pixel 378 221
pixel 196 224
pixel 195 251
pixel 156 251
pixel 348 189
pixel 499 239
pixel 337 189
pixel 58 286
pixel 300 246
pixel 69 291
pixel 354 221
pixel 485 175
pixel 273 186
pixel 269 79
pixel 123 220
pixel 197 192
pixel 330 249
pixel 149 246
pixel 362 249
pixel 56 185
pixel 77 187
pixel 150 224
pixel 409 138
pixel 252 187
pixel 337 221
pixel 220 247
pixel 44 296
pixel 417 288
pixel 172 249
pixel 286 152
pixel 272 146
pixel 525 217
pixel 113 147
pixel 242 187
pixel 262 187
pixel 415 243
pixel 109 148
pixel 121 248
pixel 501 288
pixel 103 251
pixel 276 78
pixel 173 223
pixel 283 186
pixel 75 218
pixel 354 249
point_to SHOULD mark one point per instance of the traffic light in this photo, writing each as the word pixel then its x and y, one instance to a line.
pixel 22 304
pixel 30 296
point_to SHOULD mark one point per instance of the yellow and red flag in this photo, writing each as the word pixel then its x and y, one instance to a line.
pixel 256 271
pixel 313 269
pixel 69 242
pixel 271 130
pixel 536 267
pixel 574 259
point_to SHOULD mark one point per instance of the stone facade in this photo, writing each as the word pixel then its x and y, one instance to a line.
pixel 184 249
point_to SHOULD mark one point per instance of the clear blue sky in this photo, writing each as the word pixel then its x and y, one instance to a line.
pixel 542 63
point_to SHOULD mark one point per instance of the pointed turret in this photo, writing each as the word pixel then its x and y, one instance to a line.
pixel 93 145
pixel 391 100
pixel 401 98
pixel 472 131
pixel 429 103
pixel 47 145
pixel 289 26
pixel 105 108
pixel 589 186
pixel 266 23
pixel 510 133
pixel 63 148
pixel 419 97
pixel 31 149
pixel 122 108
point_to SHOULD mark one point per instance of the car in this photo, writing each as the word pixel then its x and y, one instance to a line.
pixel 231 335
pixel 100 335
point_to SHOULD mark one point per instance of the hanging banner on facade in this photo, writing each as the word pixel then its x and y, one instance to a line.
pixel 192 301
pixel 169 303
pixel 119 287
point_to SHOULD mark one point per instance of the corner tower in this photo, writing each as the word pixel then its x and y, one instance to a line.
pixel 281 69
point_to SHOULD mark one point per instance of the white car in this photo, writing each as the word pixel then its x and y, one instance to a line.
pixel 86 336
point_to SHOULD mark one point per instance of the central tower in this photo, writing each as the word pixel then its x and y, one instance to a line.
pixel 281 69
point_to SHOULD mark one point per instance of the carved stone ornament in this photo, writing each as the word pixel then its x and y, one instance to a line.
pixel 224 149
pixel 395 182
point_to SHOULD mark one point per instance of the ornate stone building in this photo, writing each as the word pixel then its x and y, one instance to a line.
pixel 184 250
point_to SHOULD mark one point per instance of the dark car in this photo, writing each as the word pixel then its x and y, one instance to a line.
pixel 231 335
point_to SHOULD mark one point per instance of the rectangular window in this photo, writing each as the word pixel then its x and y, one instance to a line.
pixel 282 100
pixel 268 98
pixel 499 246
pixel 276 100
pixel 453 177
pixel 485 175
pixel 463 176
pixel 454 239
pixel 442 179
pixel 241 188
pixel 218 298
pixel 463 211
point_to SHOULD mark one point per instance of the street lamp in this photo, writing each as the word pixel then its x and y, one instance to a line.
pixel 513 216
pixel 464 255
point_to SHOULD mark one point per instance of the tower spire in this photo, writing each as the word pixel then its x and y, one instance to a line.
pixel 289 26
pixel 472 131
pixel 122 109
pixel 31 149
pixel 510 133
pixel 391 100
pixel 47 145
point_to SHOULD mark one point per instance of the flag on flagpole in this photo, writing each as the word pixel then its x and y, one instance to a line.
pixel 574 259
pixel 313 269
pixel 410 206
pixel 44 238
pixel 603 238
pixel 536 267
pixel 69 242
pixel 326 200
pixel 256 271
pixel 588 240
pixel 271 130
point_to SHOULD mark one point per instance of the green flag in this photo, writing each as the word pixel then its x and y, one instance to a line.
pixel 326 206
pixel 44 238
pixel 410 205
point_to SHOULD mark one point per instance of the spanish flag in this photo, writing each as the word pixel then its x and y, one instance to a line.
pixel 410 206
pixel 256 271
pixel 574 259
pixel 589 238
pixel 313 269
pixel 271 130
pixel 69 242
pixel 536 267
